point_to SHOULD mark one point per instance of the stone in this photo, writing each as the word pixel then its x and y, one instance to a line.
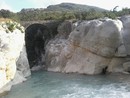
pixel 121 51
pixel 18 78
pixel 37 68
pixel 102 38
pixel 86 62
pixel 11 44
pixel 22 63
pixel 5 89
pixel 115 64
pixel 54 58
pixel 126 32
pixel 126 66
pixel 89 48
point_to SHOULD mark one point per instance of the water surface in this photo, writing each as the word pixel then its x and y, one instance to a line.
pixel 58 85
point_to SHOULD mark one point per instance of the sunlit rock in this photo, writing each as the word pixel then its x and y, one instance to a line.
pixel 11 44
pixel 89 49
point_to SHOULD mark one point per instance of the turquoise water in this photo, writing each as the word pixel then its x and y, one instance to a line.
pixel 58 85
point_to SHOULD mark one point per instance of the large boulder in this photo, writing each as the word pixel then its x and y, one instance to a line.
pixel 89 49
pixel 101 38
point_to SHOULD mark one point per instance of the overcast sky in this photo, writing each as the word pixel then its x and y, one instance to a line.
pixel 17 5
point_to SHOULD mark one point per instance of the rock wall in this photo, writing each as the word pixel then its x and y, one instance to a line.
pixel 93 47
pixel 11 45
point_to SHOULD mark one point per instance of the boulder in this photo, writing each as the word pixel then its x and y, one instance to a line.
pixel 101 38
pixel 85 62
pixel 115 64
pixel 89 48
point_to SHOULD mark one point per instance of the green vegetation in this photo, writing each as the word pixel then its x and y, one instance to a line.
pixel 10 26
pixel 62 12
pixel 72 7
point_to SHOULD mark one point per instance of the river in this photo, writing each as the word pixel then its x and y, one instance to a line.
pixel 59 85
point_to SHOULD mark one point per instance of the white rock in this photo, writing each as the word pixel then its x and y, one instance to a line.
pixel 11 45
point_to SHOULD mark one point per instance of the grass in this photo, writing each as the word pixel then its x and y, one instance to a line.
pixel 4 19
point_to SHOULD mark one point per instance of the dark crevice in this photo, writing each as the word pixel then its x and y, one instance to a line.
pixel 36 36
pixel 104 70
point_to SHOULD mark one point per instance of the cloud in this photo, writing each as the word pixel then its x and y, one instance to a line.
pixel 4 5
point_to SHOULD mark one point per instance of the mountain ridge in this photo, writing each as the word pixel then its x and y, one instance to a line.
pixel 73 7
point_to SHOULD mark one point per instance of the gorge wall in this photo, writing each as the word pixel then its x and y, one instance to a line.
pixel 14 67
pixel 86 47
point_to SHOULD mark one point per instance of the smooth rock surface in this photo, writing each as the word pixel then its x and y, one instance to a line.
pixel 93 47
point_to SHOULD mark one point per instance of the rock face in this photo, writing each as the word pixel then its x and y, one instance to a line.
pixel 93 47
pixel 22 63
pixel 126 32
pixel 11 44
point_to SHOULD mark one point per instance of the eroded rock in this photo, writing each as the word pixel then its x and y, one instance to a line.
pixel 92 47
pixel 11 44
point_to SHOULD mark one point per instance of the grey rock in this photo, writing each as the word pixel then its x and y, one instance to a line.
pixel 89 49
pixel 121 51
pixel 126 32
pixel 126 66
pixel 22 63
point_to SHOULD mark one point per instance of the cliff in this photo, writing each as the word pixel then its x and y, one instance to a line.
pixel 11 50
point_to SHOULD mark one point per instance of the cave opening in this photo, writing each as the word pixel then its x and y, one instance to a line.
pixel 36 36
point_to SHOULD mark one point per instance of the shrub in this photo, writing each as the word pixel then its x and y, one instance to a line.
pixel 10 26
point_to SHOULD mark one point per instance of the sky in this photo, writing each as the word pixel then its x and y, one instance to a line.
pixel 17 5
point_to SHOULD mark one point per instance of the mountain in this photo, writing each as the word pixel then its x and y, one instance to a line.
pixel 72 7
